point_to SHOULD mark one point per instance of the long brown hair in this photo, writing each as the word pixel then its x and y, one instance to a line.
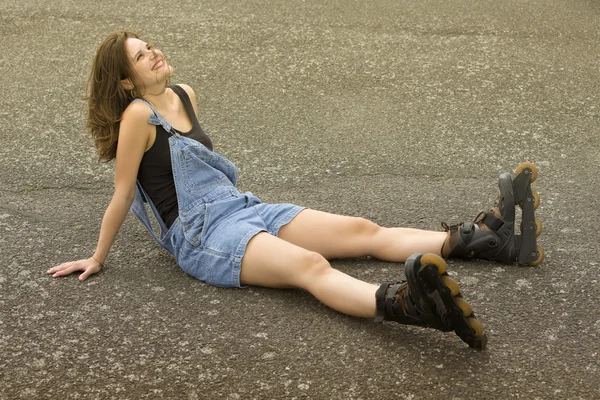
pixel 106 96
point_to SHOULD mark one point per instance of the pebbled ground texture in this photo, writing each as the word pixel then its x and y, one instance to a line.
pixel 399 111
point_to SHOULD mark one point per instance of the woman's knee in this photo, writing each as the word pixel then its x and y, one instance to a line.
pixel 363 227
pixel 311 266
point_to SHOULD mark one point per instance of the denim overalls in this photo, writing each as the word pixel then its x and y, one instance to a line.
pixel 216 220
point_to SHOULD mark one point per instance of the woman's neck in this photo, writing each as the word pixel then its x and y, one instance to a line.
pixel 159 98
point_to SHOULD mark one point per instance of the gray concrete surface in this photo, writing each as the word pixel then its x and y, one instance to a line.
pixel 404 112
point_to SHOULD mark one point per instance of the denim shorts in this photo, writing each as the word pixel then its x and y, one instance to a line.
pixel 222 229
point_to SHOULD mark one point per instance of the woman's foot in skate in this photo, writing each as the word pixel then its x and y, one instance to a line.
pixel 430 298
pixel 492 236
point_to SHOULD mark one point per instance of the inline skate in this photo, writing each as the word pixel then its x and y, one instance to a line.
pixel 492 236
pixel 429 298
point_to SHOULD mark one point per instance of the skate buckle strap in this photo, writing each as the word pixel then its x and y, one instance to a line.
pixel 390 298
pixel 380 300
pixel 385 301
pixel 490 220
pixel 466 229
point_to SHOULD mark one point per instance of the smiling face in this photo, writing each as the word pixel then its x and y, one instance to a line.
pixel 149 66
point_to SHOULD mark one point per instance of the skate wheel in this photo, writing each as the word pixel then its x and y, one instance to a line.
pixel 434 259
pixel 538 227
pixel 451 284
pixel 536 199
pixel 476 325
pixel 529 165
pixel 540 258
pixel 464 306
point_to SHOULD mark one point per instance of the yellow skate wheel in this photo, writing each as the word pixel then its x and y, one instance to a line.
pixel 529 165
pixel 451 284
pixel 434 259
pixel 464 306
pixel 538 227
pixel 536 199
pixel 540 258
pixel 476 325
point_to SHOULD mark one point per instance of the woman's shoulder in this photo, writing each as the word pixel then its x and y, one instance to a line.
pixel 190 92
pixel 137 110
pixel 135 119
pixel 188 89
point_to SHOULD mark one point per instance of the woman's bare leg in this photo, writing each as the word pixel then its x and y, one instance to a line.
pixel 275 263
pixel 336 236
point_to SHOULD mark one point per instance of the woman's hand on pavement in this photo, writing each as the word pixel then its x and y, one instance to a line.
pixel 89 266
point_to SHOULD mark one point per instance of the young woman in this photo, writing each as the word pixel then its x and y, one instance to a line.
pixel 228 238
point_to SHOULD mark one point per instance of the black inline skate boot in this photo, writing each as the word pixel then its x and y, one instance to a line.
pixel 430 298
pixel 491 236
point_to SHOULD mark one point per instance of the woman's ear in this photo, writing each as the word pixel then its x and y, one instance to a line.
pixel 126 84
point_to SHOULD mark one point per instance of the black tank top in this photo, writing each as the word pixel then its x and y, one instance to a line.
pixel 156 173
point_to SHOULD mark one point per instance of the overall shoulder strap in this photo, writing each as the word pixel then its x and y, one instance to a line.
pixel 141 196
pixel 155 118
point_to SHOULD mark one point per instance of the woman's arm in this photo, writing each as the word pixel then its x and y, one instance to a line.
pixel 134 136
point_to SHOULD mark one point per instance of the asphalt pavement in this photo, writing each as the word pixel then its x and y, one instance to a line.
pixel 400 111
